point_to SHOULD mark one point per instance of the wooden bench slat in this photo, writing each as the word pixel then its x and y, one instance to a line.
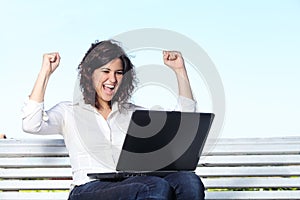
pixel 17 151
pixel 245 160
pixel 222 149
pixel 244 182
pixel 35 162
pixel 273 140
pixel 34 195
pixel 236 195
pixel 31 151
pixel 35 173
pixel 33 142
pixel 257 195
pixel 64 184
pixel 201 171
pixel 35 184
pixel 248 171
pixel 220 141
pixel 256 149
pixel 205 160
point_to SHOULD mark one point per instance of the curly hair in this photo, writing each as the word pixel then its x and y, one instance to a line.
pixel 99 54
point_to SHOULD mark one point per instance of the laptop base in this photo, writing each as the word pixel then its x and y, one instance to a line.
pixel 119 176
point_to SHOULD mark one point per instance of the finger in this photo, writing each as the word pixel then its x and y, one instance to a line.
pixel 171 55
pixel 54 57
pixel 49 57
pixel 166 55
pixel 58 56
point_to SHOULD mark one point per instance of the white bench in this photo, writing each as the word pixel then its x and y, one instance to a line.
pixel 235 169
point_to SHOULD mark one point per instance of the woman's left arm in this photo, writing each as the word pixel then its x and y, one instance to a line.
pixel 174 60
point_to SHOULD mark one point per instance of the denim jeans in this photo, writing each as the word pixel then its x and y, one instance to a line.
pixel 179 186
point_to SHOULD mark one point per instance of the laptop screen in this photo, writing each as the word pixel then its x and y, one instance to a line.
pixel 164 140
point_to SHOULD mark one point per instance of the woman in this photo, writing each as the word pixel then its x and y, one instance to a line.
pixel 93 129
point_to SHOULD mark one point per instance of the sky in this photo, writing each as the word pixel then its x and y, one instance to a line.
pixel 253 44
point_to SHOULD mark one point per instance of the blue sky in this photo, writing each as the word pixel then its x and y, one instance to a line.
pixel 254 45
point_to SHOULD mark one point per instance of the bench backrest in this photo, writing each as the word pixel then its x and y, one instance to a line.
pixel 254 168
pixel 34 164
pixel 235 169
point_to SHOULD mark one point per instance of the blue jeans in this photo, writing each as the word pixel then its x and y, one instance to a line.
pixel 179 186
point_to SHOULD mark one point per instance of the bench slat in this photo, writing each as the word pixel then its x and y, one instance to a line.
pixel 32 142
pixel 220 149
pixel 35 184
pixel 237 195
pixel 35 141
pixel 220 141
pixel 257 195
pixel 209 183
pixel 248 171
pixel 36 173
pixel 34 195
pixel 205 160
pixel 201 171
pixel 17 151
pixel 35 162
pixel 256 149
pixel 244 182
pixel 245 160
pixel 273 140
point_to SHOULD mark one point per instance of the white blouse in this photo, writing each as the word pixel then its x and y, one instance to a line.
pixel 94 144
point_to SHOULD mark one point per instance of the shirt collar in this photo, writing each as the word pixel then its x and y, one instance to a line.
pixel 82 104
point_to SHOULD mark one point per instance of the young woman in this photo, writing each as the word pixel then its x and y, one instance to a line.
pixel 94 128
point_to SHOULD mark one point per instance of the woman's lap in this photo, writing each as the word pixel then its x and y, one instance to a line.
pixel 186 185
pixel 181 185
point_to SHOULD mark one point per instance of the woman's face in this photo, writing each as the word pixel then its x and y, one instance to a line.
pixel 106 80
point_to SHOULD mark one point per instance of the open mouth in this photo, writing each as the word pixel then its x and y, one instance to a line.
pixel 109 88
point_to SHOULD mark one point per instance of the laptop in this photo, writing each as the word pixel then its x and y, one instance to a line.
pixel 158 143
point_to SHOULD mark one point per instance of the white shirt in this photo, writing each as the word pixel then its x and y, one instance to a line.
pixel 94 144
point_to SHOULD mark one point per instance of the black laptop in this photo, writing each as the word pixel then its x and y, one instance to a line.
pixel 158 143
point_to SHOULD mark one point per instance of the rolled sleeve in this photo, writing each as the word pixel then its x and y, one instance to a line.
pixel 31 106
pixel 32 115
pixel 35 120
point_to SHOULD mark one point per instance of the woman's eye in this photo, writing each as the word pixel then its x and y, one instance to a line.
pixel 105 71
pixel 119 72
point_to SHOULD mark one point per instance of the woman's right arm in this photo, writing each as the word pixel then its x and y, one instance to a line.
pixel 34 119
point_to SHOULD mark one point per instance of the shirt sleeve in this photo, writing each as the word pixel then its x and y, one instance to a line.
pixel 37 121
pixel 186 105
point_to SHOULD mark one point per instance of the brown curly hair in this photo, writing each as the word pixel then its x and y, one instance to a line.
pixel 99 54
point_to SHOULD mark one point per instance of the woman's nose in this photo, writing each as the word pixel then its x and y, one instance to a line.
pixel 112 77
